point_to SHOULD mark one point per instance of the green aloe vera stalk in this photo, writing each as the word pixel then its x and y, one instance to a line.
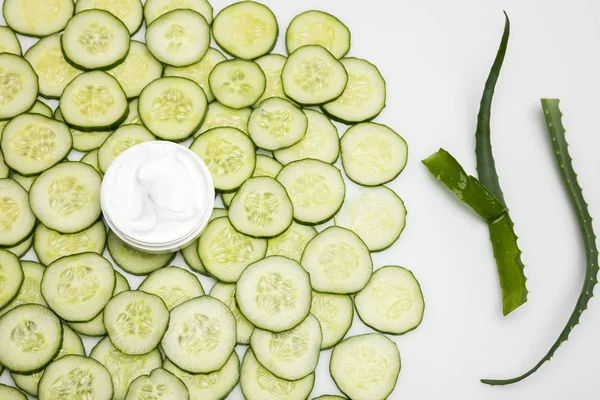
pixel 557 134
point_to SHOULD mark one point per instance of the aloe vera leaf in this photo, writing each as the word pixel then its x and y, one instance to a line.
pixel 556 130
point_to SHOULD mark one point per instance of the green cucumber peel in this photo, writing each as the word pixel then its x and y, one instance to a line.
pixel 556 130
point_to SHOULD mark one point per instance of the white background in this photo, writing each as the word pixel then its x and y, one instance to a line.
pixel 435 56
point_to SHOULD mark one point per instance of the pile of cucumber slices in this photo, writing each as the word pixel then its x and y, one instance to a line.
pixel 285 285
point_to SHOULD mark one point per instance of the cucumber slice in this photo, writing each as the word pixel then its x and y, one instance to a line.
pixel 18 85
pixel 50 245
pixel 364 95
pixel 135 261
pixel 198 72
pixel 274 294
pixel 136 321
pixel 30 290
pixel 318 28
pixel 32 143
pixel 74 376
pixel 38 18
pixel 190 252
pixel 392 301
pixel 246 30
pixel 138 69
pixel 292 354
pixel 259 384
pixel 66 198
pixel 25 181
pixel 271 65
pixel 16 218
pixel 173 285
pixel 261 208
pixel 5 172
pixel 94 101
pixel 9 42
pixel 155 8
pixel 10 393
pixel 124 369
pixel 180 37
pixel 22 248
pixel 338 261
pixel 31 337
pixel 373 154
pixel 172 108
pixel 265 166
pixel 220 116
pixel 335 313
pixel 133 117
pixel 226 293
pixel 292 242
pixel 237 83
pixel 125 137
pixel 320 142
pixel 84 140
pixel 53 71
pixel 129 12
pixel 160 384
pixel 201 335
pixel 277 124
pixel 95 39
pixel 91 159
pixel 316 189
pixel 313 76
pixel 213 386
pixel 366 367
pixel 330 397
pixel 42 109
pixel 11 277
pixel 229 155
pixel 225 253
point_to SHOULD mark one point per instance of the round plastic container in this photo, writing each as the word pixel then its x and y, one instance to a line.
pixel 117 178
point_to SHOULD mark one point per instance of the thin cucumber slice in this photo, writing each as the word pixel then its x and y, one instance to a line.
pixel 125 137
pixel 376 214
pixel 91 159
pixel 22 248
pixel 226 293
pixel 213 386
pixel 274 294
pixel 335 313
pixel 198 72
pixel 292 354
pixel 84 140
pixel 18 86
pixel 237 83
pixel 259 384
pixel 95 39
pixel 25 181
pixel 124 369
pixel 190 252
pixel 220 116
pixel 50 245
pixel 138 69
pixel 39 18
pixel 130 12
pixel 318 28
pixel 159 384
pixel 338 261
pixel 320 142
pixel 330 397
pixel 11 277
pixel 225 253
pixel 42 109
pixel 5 172
pixel 173 285
pixel 31 337
pixel 180 37
pixel 10 393
pixel 32 143
pixel 135 261
pixel 30 290
pixel 172 108
pixel 201 335
pixel 366 367
pixel 277 124
pixel 71 344
pixel 292 242
pixel 229 155
pixel 261 208
pixel 265 166
pixel 53 71
pixel 93 101
pixel 9 42
pixel 392 301
pixel 271 65
pixel 16 218
pixel 73 376
pixel 316 189
pixel 133 117
pixel 155 8
pixel 136 321
pixel 312 76
pixel 373 154
pixel 246 30
pixel 66 198
pixel 364 95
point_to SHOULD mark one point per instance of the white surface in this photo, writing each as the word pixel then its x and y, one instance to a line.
pixel 435 56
